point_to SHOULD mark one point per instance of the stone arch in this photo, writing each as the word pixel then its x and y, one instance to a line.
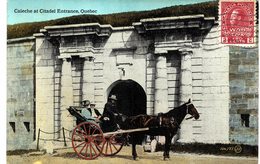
pixel 131 97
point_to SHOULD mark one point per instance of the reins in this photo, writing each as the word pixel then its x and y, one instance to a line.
pixel 187 111
pixel 147 121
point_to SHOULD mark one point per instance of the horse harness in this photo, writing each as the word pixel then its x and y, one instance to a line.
pixel 159 119
pixel 173 121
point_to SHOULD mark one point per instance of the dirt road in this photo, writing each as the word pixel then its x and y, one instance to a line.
pixel 67 156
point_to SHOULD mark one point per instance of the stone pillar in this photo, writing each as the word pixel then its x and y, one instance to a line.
pixel 185 133
pixel 161 89
pixel 88 79
pixel 161 86
pixel 185 77
pixel 66 94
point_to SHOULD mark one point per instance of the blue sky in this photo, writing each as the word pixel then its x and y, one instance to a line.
pixel 102 7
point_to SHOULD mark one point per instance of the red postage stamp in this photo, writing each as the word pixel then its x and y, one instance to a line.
pixel 237 19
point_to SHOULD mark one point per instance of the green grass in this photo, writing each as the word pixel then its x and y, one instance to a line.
pixel 116 20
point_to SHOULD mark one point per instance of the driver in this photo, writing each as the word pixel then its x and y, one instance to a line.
pixel 111 112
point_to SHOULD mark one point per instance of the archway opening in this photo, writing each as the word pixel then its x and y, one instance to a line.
pixel 131 97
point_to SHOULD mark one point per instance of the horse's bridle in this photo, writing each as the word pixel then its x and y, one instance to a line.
pixel 187 110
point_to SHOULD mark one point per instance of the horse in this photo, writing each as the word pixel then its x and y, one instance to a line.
pixel 165 124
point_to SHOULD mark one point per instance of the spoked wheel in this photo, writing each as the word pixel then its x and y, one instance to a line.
pixel 87 140
pixel 113 144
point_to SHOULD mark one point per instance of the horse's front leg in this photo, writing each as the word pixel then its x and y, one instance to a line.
pixel 134 154
pixel 167 146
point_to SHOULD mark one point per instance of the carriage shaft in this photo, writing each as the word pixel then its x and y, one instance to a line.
pixel 119 132
pixel 125 131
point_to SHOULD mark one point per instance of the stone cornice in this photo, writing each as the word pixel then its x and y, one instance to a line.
pixel 91 32
pixel 165 47
pixel 181 33
pixel 78 29
pixel 151 25
pixel 67 52
pixel 80 49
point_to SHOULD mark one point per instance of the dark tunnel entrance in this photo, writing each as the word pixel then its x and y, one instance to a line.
pixel 131 97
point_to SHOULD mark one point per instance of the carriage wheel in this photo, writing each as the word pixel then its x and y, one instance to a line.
pixel 113 144
pixel 87 140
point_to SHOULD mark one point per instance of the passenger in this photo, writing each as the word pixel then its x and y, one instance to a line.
pixel 94 112
pixel 89 111
pixel 85 111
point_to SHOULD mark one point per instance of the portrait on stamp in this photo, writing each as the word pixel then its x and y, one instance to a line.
pixel 238 17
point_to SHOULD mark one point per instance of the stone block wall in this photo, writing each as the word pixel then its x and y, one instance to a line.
pixel 215 89
pixel 150 76
pixel 98 86
pixel 45 54
pixel 173 79
pixel 20 95
pixel 210 92
pixel 77 71
pixel 197 94
pixel 57 94
pixel 243 81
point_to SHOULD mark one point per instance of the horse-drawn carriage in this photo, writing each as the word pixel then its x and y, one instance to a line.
pixel 90 139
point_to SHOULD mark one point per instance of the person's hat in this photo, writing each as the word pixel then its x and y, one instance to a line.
pixel 113 97
pixel 85 102
pixel 92 103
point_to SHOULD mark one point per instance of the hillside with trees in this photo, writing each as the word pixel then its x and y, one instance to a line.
pixel 117 19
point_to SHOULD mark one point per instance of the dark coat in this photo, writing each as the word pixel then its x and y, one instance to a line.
pixel 96 112
pixel 110 110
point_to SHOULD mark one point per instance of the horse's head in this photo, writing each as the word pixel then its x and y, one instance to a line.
pixel 192 110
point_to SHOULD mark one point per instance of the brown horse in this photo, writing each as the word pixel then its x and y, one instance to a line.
pixel 165 124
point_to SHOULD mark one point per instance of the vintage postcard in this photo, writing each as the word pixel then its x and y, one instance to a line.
pixel 119 81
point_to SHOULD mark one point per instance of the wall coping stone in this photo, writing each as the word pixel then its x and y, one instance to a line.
pixel 23 39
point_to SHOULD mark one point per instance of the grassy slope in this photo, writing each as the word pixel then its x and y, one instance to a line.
pixel 119 19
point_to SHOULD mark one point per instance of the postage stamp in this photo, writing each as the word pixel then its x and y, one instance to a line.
pixel 237 19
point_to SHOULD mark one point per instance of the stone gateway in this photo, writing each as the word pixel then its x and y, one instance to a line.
pixel 152 66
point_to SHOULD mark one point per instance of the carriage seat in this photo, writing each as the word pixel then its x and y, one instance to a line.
pixel 81 117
